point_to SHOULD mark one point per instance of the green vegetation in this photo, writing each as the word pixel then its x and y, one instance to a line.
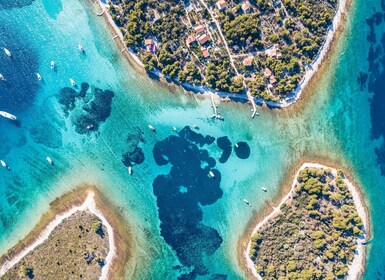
pixel 282 36
pixel 316 233
pixel 76 249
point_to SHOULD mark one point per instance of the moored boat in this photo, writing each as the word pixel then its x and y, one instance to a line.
pixel 151 127
pixel 7 52
pixel 80 47
pixel 247 202
pixel 52 65
pixel 50 161
pixel 264 189
pixel 38 76
pixel 2 78
pixel 8 115
pixel 72 82
pixel 3 164
pixel 129 170
pixel 212 175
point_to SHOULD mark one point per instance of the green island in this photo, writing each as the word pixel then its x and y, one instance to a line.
pixel 73 241
pixel 262 47
pixel 314 234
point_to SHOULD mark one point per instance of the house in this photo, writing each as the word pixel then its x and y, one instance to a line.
pixel 221 4
pixel 248 61
pixel 203 39
pixel 199 28
pixel 150 45
pixel 205 52
pixel 246 7
pixel 274 52
pixel 272 79
pixel 190 39
pixel 156 16
pixel 267 72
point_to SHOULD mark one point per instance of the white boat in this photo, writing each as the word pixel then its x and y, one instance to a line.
pixel 53 65
pixel 7 52
pixel 151 127
pixel 72 82
pixel 3 164
pixel 90 126
pixel 50 161
pixel 247 202
pixel 8 115
pixel 129 170
pixel 38 76
pixel 2 78
pixel 174 128
pixel 264 189
pixel 195 126
pixel 212 174
pixel 236 145
pixel 80 47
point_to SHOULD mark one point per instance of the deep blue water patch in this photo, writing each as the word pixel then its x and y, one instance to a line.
pixel 181 194
pixel 94 106
pixel 18 92
pixel 225 144
pixel 134 154
pixel 376 83
pixel 242 150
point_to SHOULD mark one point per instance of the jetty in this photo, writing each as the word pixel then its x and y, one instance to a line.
pixel 216 114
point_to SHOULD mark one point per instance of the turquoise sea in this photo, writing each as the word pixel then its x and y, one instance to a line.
pixel 184 224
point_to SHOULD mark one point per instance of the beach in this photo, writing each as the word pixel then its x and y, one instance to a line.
pixel 303 86
pixel 356 269
pixel 84 198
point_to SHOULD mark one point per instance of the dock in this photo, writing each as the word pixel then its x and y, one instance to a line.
pixel 216 114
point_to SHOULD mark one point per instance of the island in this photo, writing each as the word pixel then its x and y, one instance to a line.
pixel 318 230
pixel 76 239
pixel 256 49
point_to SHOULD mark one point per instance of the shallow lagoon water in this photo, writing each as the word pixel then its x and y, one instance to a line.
pixel 338 122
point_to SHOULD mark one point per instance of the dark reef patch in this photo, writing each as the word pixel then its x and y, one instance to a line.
pixel 225 144
pixel 10 4
pixel 95 107
pixel 134 154
pixel 181 194
pixel 242 150
pixel 180 212
pixel 376 84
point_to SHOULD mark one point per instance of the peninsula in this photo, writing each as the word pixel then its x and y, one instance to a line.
pixel 76 239
pixel 267 50
pixel 317 231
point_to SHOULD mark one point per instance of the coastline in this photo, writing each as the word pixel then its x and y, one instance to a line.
pixel 357 267
pixel 303 86
pixel 84 198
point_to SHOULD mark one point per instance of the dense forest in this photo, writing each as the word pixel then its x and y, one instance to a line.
pixel 315 235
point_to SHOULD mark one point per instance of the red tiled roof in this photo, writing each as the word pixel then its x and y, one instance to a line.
pixel 221 4
pixel 248 61
pixel 205 52
pixel 199 28
pixel 203 38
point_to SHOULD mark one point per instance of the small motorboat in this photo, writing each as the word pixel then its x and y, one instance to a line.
pixel 3 164
pixel 53 65
pixel 174 128
pixel 247 202
pixel 72 82
pixel 7 52
pixel 236 145
pixel 90 126
pixel 38 76
pixel 8 115
pixel 264 189
pixel 212 175
pixel 80 47
pixel 195 126
pixel 2 78
pixel 50 161
pixel 129 170
pixel 151 127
